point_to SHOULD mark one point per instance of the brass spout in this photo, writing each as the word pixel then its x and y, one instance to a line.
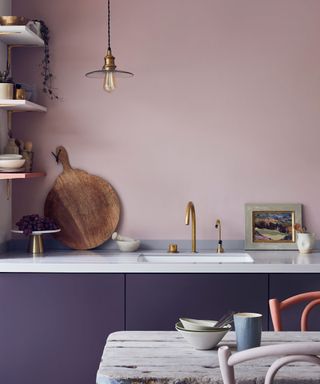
pixel 190 209
pixel 219 247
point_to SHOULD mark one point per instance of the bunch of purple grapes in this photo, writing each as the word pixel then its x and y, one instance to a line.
pixel 31 223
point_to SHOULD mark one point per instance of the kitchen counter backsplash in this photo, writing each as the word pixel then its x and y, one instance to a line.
pixel 183 245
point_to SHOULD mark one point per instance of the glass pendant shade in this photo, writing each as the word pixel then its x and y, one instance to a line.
pixel 109 77
pixel 108 72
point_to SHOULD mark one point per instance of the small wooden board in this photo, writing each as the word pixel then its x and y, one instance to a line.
pixel 85 207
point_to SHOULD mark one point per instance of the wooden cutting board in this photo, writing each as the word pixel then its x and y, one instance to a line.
pixel 86 207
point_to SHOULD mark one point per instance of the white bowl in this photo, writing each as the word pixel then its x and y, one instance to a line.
pixel 9 164
pixel 128 246
pixel 8 156
pixel 203 340
pixel 197 325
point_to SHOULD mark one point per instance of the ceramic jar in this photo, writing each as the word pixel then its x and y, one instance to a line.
pixel 6 91
pixel 20 94
pixel 28 156
pixel 11 147
pixel 305 242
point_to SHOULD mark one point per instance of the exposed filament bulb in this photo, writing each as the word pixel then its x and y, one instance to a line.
pixel 109 83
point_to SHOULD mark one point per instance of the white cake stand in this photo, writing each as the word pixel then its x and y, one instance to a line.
pixel 35 245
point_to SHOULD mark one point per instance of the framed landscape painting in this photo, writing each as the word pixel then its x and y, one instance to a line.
pixel 271 226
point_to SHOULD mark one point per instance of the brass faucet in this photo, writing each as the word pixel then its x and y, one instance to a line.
pixel 190 208
pixel 219 247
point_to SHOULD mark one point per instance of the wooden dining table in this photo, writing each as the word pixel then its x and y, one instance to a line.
pixel 164 357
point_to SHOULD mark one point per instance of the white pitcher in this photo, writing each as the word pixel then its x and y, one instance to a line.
pixel 305 242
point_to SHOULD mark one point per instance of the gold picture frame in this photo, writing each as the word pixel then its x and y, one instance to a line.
pixel 271 226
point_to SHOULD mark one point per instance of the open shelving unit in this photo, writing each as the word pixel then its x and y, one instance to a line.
pixel 19 36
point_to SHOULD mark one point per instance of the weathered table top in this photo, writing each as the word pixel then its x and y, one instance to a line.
pixel 165 357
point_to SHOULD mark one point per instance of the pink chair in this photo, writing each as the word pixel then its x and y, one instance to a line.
pixel 290 352
pixel 276 307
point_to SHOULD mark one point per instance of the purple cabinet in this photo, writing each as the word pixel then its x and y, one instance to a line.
pixel 53 327
pixel 285 285
pixel 156 301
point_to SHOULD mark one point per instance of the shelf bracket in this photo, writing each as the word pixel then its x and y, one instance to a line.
pixel 9 57
pixel 9 123
pixel 9 189
pixel 9 53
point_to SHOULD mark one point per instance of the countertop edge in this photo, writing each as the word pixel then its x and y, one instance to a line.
pixel 115 262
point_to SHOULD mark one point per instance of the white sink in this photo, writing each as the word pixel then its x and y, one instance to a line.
pixel 201 257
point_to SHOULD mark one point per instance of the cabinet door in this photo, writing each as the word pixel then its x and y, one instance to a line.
pixel 156 301
pixel 53 327
pixel 283 286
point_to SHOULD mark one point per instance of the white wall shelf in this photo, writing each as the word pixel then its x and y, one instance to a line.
pixel 21 106
pixel 19 35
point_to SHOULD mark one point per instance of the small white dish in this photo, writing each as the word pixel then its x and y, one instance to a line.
pixel 8 156
pixel 12 163
pixel 128 246
pixel 203 340
pixel 197 325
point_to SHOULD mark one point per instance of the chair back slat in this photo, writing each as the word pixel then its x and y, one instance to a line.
pixel 282 361
pixel 305 313
pixel 289 352
pixel 276 308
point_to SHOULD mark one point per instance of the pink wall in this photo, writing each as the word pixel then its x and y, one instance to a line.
pixel 224 108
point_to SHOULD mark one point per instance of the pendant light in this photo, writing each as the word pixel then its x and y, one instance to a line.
pixel 109 72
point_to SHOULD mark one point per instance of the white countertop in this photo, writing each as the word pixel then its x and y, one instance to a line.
pixel 115 262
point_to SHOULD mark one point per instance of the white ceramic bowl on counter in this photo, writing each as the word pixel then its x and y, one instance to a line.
pixel 124 243
pixel 203 339
pixel 128 246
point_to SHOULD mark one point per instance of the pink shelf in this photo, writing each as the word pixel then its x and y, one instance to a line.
pixel 18 175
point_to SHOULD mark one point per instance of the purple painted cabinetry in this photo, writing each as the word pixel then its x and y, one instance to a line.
pixel 286 285
pixel 53 327
pixel 156 301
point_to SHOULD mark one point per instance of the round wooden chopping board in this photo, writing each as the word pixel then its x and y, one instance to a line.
pixel 86 207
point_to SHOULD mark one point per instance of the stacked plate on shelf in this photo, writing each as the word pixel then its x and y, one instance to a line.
pixel 12 163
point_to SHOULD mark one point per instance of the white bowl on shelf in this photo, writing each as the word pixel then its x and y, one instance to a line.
pixel 203 340
pixel 12 163
pixel 9 156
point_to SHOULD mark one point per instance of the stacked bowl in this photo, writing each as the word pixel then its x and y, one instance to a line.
pixel 201 334
pixel 11 163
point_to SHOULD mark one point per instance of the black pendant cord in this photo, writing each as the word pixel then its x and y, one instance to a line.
pixel 109 33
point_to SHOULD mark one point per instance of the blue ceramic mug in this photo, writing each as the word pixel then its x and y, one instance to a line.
pixel 248 327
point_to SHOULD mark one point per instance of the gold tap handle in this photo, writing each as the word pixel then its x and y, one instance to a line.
pixel 218 226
